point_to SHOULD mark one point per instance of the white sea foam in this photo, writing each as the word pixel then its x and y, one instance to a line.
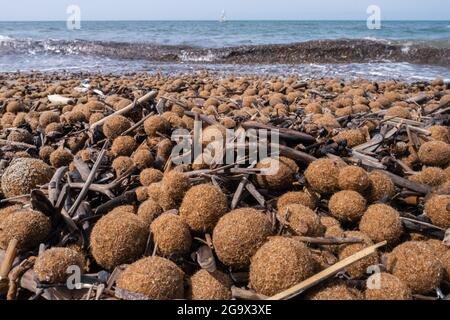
pixel 187 56
pixel 5 38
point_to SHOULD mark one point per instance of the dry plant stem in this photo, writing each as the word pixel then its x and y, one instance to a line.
pixel 15 276
pixel 22 145
pixel 137 124
pixel 283 132
pixel 238 193
pixel 425 224
pixel 7 263
pixel 202 117
pixel 89 180
pixel 294 154
pixel 82 168
pixel 54 188
pixel 405 183
pixel 327 273
pixel 147 97
pixel 328 240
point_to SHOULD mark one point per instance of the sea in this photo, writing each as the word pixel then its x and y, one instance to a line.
pixel 401 50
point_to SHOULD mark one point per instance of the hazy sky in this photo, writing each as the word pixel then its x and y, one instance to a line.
pixel 236 9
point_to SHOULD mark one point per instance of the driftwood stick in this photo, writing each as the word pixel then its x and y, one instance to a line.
pixel 147 97
pixel 89 180
pixel 328 240
pixel 294 154
pixel 22 145
pixel 283 132
pixel 405 183
pixel 6 264
pixel 327 273
pixel 202 117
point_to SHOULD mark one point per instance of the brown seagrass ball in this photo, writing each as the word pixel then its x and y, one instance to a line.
pixel 434 153
pixel 210 286
pixel 385 286
pixel 171 234
pixel 280 264
pixel 28 227
pixel 149 176
pixel 323 176
pixel 347 206
pixel 174 186
pixel 155 278
pixel 239 234
pixel 353 178
pixel 115 126
pixel 52 266
pixel 306 198
pixel 23 175
pixel 437 209
pixel 117 238
pixel 278 174
pixel 300 220
pixel 381 222
pixel 202 206
pixel 415 264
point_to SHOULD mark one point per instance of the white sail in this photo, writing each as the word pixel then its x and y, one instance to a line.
pixel 223 17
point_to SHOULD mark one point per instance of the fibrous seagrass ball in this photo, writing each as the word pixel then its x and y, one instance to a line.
pixel 399 112
pixel 20 135
pixel 52 266
pixel 154 277
pixel 141 193
pixel 337 290
pixel 381 186
pixel 438 247
pixel 277 174
pixel 353 137
pixel 437 209
pixel 430 176
pixel 322 175
pixel 123 146
pixel 149 176
pixel 280 264
pixel 118 238
pixel 329 222
pixel 45 152
pixel 416 265
pixel 54 129
pixel 305 198
pixel 385 286
pixel 174 186
pixel 171 234
pixel 23 175
pixel 115 126
pixel 239 234
pixel 300 220
pixel 202 206
pixel 440 133
pixel 154 191
pixel 215 134
pixel 434 153
pixel 28 227
pixel 122 164
pixel 210 286
pixel 382 222
pixel 446 264
pixel 347 206
pixel 148 211
pixel 353 178
pixel 143 158
pixel 156 124
pixel 61 157
pixel 360 268
pixel 48 117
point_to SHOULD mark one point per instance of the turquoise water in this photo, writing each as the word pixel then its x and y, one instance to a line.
pixel 51 46
pixel 230 33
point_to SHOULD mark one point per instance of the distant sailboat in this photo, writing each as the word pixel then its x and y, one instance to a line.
pixel 223 17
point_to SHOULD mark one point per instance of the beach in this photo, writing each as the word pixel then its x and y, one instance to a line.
pixel 315 167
